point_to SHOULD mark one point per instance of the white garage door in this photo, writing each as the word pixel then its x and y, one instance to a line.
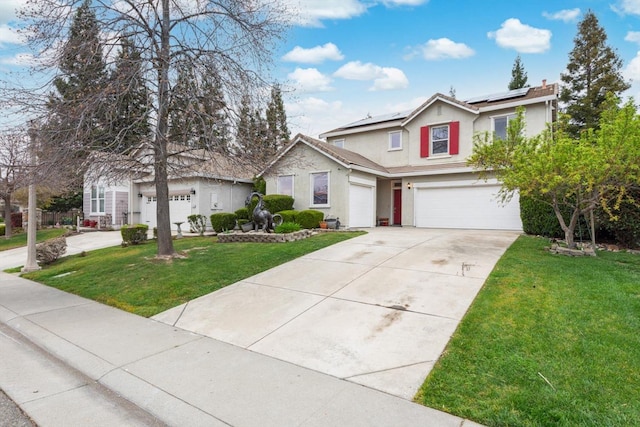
pixel 361 212
pixel 474 207
pixel 179 210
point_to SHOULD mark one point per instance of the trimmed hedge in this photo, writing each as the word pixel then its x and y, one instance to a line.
pixel 309 218
pixel 2 229
pixel 288 215
pixel 223 221
pixel 274 203
pixel 134 234
pixel 242 213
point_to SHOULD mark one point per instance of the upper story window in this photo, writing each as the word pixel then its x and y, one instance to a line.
pixel 501 124
pixel 339 143
pixel 97 199
pixel 285 185
pixel 440 140
pixel 395 140
pixel 319 188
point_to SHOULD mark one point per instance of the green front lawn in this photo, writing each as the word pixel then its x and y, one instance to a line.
pixel 550 340
pixel 20 239
pixel 133 280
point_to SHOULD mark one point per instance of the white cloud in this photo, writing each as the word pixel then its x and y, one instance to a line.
pixel 633 36
pixel 565 15
pixel 632 70
pixel 627 7
pixel 314 55
pixel 310 80
pixel 444 48
pixel 312 116
pixel 523 38
pixel 9 35
pixel 8 9
pixel 20 59
pixel 310 13
pixel 384 78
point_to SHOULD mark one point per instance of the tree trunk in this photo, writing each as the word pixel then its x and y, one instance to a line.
pixel 569 229
pixel 8 232
pixel 165 242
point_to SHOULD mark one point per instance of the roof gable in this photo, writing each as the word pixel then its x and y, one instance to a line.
pixel 344 157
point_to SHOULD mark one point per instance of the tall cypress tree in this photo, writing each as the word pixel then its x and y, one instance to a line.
pixel 78 108
pixel 518 75
pixel 593 72
pixel 128 117
pixel 278 131
pixel 198 110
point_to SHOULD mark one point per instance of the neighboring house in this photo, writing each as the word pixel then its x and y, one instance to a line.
pixel 204 188
pixel 410 168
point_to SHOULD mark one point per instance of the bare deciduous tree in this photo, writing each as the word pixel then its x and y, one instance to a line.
pixel 236 36
pixel 14 160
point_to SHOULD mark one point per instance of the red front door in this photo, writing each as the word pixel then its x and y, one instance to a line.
pixel 397 206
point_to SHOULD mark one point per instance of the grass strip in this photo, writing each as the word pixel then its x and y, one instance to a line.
pixel 549 340
pixel 20 239
pixel 132 279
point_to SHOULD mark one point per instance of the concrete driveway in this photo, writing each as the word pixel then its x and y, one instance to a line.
pixel 377 310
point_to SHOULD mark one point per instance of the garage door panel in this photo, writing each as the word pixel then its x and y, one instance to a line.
pixel 475 207
pixel 360 206
pixel 179 210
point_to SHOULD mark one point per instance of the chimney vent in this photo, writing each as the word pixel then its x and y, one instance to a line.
pixel 544 83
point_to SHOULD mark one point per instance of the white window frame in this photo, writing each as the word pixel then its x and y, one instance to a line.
pixel 399 135
pixel 312 176
pixel 508 117
pixel 98 200
pixel 339 142
pixel 279 185
pixel 432 140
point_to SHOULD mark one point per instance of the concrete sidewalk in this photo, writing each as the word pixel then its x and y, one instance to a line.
pixel 175 377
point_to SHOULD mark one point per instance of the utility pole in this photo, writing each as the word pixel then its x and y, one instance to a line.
pixel 32 225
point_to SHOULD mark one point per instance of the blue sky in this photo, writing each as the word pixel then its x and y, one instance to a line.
pixel 352 58
pixel 345 59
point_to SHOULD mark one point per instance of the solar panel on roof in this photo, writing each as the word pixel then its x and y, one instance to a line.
pixel 499 96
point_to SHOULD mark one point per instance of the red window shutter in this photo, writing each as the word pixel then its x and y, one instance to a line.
pixel 454 137
pixel 424 141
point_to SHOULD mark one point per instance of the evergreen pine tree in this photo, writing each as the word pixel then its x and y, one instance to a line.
pixel 212 125
pixel 129 112
pixel 593 72
pixel 78 110
pixel 278 131
pixel 518 75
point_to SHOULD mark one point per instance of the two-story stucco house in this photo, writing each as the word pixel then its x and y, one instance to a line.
pixel 410 168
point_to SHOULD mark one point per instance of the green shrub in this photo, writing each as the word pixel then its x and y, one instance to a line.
pixel 626 230
pixel 288 215
pixel 1 219
pixel 50 250
pixel 134 234
pixel 309 218
pixel 223 221
pixel 2 227
pixel 197 223
pixel 538 218
pixel 287 227
pixel 274 203
pixel 242 213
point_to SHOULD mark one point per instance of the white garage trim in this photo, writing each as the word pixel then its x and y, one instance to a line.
pixel 361 206
pixel 452 204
